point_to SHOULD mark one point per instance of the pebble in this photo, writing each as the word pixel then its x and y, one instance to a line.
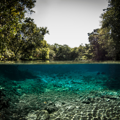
pixel 43 115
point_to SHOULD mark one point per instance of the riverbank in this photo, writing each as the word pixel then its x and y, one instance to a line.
pixel 58 62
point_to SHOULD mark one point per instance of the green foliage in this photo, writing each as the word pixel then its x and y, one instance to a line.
pixel 97 46
pixel 45 53
pixel 105 42
pixel 20 37
pixel 51 54
pixel 74 53
pixel 64 52
pixel 11 13
pixel 111 21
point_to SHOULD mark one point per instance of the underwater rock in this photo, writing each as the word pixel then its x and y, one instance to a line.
pixel 76 82
pixel 32 115
pixel 86 102
pixel 57 85
pixel 102 72
pixel 98 73
pixel 91 99
pixel 4 101
pixel 51 107
pixel 110 97
pixel 43 115
pixel 113 97
pixel 58 104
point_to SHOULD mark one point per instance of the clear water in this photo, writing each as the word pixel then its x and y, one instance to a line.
pixel 54 81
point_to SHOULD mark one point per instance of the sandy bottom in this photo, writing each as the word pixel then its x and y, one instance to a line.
pixel 74 95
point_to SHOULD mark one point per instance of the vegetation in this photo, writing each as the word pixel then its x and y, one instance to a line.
pixel 64 52
pixel 20 38
pixel 105 42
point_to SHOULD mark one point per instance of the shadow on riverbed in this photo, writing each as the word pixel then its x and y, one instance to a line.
pixel 13 73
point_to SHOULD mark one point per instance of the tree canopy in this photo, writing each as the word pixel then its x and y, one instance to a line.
pixel 19 36
pixel 106 43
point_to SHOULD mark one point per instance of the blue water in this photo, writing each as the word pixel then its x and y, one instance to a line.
pixel 62 77
pixel 57 88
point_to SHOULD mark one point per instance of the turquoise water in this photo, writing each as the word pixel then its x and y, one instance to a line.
pixel 58 80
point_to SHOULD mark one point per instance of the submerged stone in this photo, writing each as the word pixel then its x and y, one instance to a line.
pixel 43 115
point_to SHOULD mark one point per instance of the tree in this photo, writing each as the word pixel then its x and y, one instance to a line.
pixel 52 54
pixel 63 52
pixel 12 13
pixel 106 43
pixel 99 53
pixel 111 21
pixel 27 39
pixel 88 52
pixel 74 53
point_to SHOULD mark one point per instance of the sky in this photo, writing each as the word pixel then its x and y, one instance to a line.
pixel 68 21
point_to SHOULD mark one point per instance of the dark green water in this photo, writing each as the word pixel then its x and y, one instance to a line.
pixel 52 81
